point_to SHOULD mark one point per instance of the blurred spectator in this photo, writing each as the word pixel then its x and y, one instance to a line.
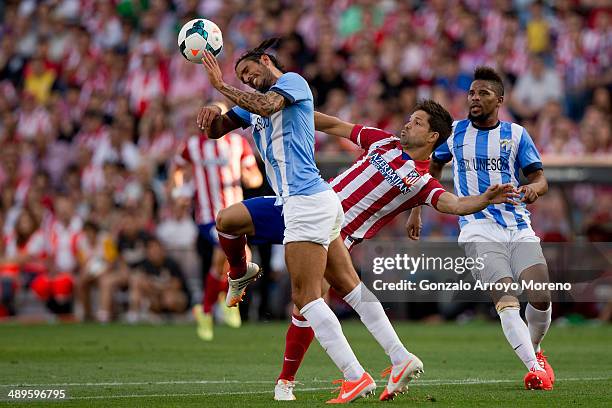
pixel 538 29
pixel 131 244
pixel 159 285
pixel 97 256
pixel 534 88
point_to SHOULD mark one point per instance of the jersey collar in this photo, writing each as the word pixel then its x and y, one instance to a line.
pixel 486 128
pixel 422 166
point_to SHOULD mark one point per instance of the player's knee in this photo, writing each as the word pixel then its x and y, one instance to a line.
pixel 225 222
pixel 541 305
pixel 301 297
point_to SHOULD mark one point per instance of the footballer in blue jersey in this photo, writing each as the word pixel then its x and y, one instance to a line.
pixel 485 151
pixel 280 113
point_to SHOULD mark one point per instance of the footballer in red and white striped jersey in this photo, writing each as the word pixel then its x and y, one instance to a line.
pixel 382 183
pixel 217 169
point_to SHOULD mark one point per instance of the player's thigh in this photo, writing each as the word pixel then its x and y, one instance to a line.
pixel 267 220
pixel 316 218
pixel 340 272
pixel 235 220
pixel 306 265
pixel 527 258
pixel 493 260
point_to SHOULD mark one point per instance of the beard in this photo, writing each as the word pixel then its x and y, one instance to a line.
pixel 266 81
pixel 482 117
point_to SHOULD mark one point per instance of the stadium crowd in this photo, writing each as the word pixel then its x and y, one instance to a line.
pixel 95 100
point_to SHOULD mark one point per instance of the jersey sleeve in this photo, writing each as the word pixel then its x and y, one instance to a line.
pixel 364 136
pixel 241 116
pixel 528 158
pixel 293 87
pixel 432 192
pixel 442 154
pixel 247 159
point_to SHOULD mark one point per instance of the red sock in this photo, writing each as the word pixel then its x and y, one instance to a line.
pixel 235 252
pixel 223 284
pixel 298 338
pixel 211 291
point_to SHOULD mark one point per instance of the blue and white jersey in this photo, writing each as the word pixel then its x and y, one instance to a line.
pixel 485 156
pixel 286 140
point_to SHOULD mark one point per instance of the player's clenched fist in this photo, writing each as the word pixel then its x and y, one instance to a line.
pixel 206 116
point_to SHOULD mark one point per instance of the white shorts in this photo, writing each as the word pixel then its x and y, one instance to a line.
pixel 505 253
pixel 316 218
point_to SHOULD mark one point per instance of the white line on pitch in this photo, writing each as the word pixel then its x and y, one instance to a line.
pixel 315 381
pixel 473 381
pixel 216 382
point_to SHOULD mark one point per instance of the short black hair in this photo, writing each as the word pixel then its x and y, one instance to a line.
pixel 439 119
pixel 484 73
pixel 256 53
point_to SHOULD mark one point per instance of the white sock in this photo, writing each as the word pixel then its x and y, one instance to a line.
pixel 538 322
pixel 375 319
pixel 517 333
pixel 328 332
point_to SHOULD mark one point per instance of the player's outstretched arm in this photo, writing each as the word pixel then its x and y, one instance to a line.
pixel 254 102
pixel 495 194
pixel 537 186
pixel 213 123
pixel 332 125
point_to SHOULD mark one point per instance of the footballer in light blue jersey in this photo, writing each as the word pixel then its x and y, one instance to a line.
pixel 483 156
pixel 281 114
pixel 285 139
pixel 484 151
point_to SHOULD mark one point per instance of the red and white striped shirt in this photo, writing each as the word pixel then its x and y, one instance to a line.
pixel 61 241
pixel 382 183
pixel 217 166
pixel 34 246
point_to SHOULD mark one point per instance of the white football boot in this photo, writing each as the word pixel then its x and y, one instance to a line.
pixel 238 286
pixel 283 390
pixel 400 375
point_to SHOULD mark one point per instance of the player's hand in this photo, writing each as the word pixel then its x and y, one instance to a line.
pixel 502 193
pixel 213 70
pixel 529 194
pixel 414 225
pixel 206 116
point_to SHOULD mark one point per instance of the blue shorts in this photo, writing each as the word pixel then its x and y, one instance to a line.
pixel 209 233
pixel 267 219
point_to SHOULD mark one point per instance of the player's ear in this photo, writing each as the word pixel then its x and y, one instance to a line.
pixel 265 60
pixel 500 99
pixel 433 137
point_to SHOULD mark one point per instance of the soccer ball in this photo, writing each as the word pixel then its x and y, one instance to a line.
pixel 199 35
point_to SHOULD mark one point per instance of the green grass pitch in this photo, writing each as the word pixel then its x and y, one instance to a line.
pixel 168 366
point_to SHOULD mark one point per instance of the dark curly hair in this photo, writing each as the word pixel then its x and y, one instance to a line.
pixel 439 119
pixel 490 75
pixel 256 53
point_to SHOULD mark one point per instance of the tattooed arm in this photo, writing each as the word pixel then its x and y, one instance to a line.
pixel 255 102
